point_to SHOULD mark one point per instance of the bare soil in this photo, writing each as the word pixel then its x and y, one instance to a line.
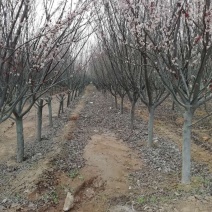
pixel 109 160
pixel 8 130
pixel 92 153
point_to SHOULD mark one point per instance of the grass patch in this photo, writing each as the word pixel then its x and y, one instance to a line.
pixel 74 173
pixel 142 200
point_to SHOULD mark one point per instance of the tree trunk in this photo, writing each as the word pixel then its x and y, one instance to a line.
pixel 132 115
pixel 62 103
pixel 20 139
pixel 75 94
pixel 150 126
pixel 104 93
pixel 39 119
pixel 116 102
pixel 205 108
pixel 122 105
pixel 50 111
pixel 173 105
pixel 72 95
pixel 61 98
pixel 58 114
pixel 186 151
pixel 68 99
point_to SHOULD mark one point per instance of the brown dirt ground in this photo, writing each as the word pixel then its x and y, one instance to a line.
pixel 105 175
pixel 8 131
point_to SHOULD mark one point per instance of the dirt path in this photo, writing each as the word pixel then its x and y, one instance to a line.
pixel 105 175
pixel 113 160
pixel 110 161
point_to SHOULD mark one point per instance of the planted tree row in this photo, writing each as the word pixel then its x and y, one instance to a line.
pixel 149 50
pixel 39 42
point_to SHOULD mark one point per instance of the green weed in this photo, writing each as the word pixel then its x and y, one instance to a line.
pixel 141 200
pixel 73 174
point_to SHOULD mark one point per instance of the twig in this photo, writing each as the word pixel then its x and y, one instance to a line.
pixel 201 120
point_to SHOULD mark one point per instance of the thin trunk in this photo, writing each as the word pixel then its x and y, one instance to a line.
pixel 58 114
pixel 68 99
pixel 105 94
pixel 132 115
pixel 80 91
pixel 186 151
pixel 150 126
pixel 72 95
pixel 116 102
pixel 50 111
pixel 173 105
pixel 122 105
pixel 205 108
pixel 20 139
pixel 62 103
pixel 39 120
pixel 75 94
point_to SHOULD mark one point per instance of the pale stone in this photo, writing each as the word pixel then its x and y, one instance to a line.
pixel 32 206
pixel 177 194
pixel 4 200
pixel 69 202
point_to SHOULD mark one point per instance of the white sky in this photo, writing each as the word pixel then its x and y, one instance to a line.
pixel 52 6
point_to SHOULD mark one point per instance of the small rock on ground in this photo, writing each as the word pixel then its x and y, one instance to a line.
pixel 69 202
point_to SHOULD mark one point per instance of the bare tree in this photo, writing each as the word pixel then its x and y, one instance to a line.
pixel 32 59
pixel 179 40
pixel 133 68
